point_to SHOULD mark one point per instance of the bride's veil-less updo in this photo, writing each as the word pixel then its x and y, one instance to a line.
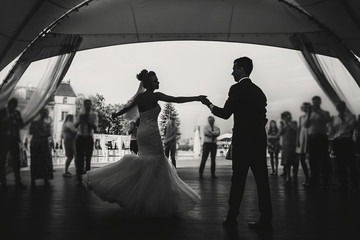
pixel 144 76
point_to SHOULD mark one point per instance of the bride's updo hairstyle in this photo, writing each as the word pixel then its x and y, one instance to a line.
pixel 145 76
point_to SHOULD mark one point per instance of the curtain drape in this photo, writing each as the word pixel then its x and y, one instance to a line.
pixel 65 48
pixel 347 58
pixel 323 71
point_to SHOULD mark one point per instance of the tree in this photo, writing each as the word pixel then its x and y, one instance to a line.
pixel 169 112
pixel 104 111
pixel 119 125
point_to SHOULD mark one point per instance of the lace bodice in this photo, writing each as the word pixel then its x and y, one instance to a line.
pixel 148 135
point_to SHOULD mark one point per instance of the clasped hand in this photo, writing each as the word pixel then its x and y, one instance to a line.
pixel 204 100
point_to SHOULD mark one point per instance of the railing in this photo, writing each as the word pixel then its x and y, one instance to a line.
pixel 99 156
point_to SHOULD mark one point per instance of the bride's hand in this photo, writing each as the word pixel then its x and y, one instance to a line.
pixel 204 100
pixel 201 98
pixel 113 116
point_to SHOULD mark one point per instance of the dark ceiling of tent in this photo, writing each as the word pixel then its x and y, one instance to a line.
pixel 111 22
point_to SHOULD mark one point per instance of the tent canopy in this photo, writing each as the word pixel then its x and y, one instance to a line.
pixel 111 22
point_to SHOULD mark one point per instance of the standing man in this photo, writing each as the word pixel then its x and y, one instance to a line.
pixel 317 124
pixel 211 132
pixel 171 132
pixel 248 104
pixel 342 131
pixel 10 125
pixel 86 123
pixel 133 136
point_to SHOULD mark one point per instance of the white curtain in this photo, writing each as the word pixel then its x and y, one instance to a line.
pixel 46 87
pixel 64 49
pixel 330 74
pixel 342 82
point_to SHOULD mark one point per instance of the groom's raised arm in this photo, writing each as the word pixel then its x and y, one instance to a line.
pixel 228 108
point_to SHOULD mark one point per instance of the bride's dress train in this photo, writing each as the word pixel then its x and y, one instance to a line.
pixel 144 185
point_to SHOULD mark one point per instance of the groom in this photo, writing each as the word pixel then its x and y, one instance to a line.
pixel 248 104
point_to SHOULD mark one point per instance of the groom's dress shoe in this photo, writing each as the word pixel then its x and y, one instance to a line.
pixel 230 222
pixel 261 226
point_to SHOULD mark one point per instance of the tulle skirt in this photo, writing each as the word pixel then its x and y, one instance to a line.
pixel 142 186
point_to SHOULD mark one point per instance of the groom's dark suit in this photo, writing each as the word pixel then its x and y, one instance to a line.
pixel 248 104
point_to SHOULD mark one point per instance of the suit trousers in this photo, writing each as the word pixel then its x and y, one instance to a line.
pixel 319 158
pixel 250 155
pixel 345 157
pixel 84 150
pixel 9 145
pixel 212 149
pixel 170 150
pixel 134 146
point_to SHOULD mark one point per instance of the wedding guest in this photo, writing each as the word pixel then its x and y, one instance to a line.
pixel 317 124
pixel 247 103
pixel 86 123
pixel 211 132
pixel 133 135
pixel 302 144
pixel 273 146
pixel 41 165
pixel 10 125
pixel 171 133
pixel 68 133
pixel 342 131
pixel 288 129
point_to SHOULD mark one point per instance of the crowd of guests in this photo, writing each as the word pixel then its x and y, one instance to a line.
pixel 76 133
pixel 318 138
pixel 310 142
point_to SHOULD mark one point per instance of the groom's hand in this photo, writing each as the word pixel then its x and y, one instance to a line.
pixel 205 101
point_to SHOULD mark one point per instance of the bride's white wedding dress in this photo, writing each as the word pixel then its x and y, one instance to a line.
pixel 146 184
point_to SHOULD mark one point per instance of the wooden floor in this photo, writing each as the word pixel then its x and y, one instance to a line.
pixel 64 211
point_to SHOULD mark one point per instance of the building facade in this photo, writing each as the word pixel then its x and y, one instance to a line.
pixel 63 104
pixel 60 105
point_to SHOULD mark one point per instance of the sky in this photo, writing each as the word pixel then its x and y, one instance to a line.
pixel 190 68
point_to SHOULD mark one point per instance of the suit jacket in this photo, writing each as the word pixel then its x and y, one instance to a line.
pixel 4 122
pixel 248 104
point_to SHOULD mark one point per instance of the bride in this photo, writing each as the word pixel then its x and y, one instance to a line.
pixel 146 184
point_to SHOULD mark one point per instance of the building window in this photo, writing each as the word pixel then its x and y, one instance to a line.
pixel 65 100
pixel 63 115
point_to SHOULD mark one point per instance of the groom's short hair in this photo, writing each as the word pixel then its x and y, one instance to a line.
pixel 246 63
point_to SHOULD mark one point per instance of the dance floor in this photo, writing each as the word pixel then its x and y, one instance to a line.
pixel 65 211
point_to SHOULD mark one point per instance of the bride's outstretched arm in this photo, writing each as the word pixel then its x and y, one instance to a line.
pixel 166 98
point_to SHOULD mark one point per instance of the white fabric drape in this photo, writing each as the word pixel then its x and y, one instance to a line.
pixel 342 82
pixel 46 87
pixel 51 78
pixel 330 74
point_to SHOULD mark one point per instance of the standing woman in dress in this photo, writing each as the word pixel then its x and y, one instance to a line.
pixel 41 160
pixel 273 146
pixel 302 144
pixel 68 133
pixel 288 131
